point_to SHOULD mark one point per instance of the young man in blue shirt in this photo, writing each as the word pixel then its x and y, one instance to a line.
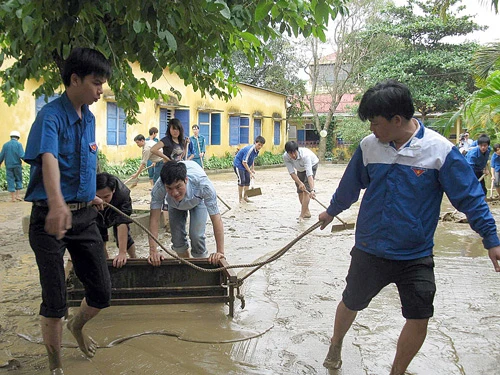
pixel 12 154
pixel 495 168
pixel 243 165
pixel 478 157
pixel 405 169
pixel 62 152
pixel 196 149
pixel 185 187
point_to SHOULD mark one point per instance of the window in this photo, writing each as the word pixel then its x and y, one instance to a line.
pixel 257 127
pixel 239 130
pixel 277 132
pixel 215 129
pixel 183 116
pixel 165 115
pixel 40 102
pixel 204 124
pixel 116 129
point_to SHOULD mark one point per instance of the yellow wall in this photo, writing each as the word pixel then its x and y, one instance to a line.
pixel 249 101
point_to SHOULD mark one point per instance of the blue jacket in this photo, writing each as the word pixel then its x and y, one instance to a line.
pixel 12 154
pixel 476 159
pixel 400 208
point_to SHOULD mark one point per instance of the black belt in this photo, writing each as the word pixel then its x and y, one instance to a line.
pixel 73 206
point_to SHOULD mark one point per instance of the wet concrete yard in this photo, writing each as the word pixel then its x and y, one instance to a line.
pixel 290 304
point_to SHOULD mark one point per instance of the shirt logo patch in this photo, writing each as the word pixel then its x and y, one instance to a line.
pixel 93 147
pixel 418 171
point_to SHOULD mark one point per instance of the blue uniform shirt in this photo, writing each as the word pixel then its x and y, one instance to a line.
pixel 12 153
pixel 495 162
pixel 476 159
pixel 58 130
pixel 246 154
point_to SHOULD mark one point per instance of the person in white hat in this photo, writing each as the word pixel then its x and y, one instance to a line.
pixel 12 154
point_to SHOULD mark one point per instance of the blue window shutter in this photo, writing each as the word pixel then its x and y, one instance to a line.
pixel 301 136
pixel 163 122
pixel 277 132
pixel 203 117
pixel 112 122
pixel 215 134
pixel 234 131
pixel 183 116
pixel 257 128
pixel 244 130
pixel 122 127
pixel 204 124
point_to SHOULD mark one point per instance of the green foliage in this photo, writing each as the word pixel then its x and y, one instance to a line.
pixel 3 177
pixel 268 158
pixel 124 170
pixel 438 74
pixel 184 36
pixel 352 130
pixel 215 162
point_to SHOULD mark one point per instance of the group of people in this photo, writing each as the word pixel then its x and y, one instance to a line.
pixel 403 167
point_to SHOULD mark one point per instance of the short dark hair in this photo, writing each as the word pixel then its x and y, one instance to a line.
pixel 483 138
pixel 291 146
pixel 104 180
pixel 173 171
pixel 153 130
pixel 195 126
pixel 139 137
pixel 386 99
pixel 260 139
pixel 85 61
pixel 496 146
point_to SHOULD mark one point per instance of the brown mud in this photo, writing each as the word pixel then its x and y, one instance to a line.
pixel 290 304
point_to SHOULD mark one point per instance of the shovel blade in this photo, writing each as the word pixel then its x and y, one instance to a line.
pixel 253 192
pixel 340 227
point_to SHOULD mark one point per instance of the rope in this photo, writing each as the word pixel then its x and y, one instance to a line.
pixel 258 265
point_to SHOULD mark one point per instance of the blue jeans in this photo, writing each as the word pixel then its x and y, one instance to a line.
pixel 156 171
pixel 14 176
pixel 197 225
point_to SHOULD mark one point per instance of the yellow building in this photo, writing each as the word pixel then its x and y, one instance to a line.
pixel 226 126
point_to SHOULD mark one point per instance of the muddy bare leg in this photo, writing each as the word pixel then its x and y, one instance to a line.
pixel 240 193
pixel 52 338
pixel 410 341
pixel 343 321
pixel 86 344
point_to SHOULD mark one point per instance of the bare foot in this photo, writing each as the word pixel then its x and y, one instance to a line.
pixel 86 343
pixel 247 200
pixel 57 371
pixel 300 219
pixel 333 359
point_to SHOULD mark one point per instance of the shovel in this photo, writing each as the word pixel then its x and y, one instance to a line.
pixel 252 192
pixel 338 227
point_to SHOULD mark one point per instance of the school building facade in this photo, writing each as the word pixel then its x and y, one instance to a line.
pixel 226 126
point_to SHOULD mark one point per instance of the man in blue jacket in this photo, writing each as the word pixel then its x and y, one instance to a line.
pixel 405 168
pixel 12 154
pixel 478 156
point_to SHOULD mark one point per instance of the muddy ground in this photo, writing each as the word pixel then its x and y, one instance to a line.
pixel 290 304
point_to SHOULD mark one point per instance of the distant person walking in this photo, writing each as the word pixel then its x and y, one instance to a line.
pixel 151 141
pixel 243 165
pixel 12 154
pixel 196 151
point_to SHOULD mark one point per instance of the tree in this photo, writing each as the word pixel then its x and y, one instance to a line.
pixel 278 72
pixel 180 35
pixel 439 74
pixel 342 77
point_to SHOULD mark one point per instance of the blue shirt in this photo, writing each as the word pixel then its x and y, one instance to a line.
pixel 58 130
pixel 198 189
pixel 400 208
pixel 197 146
pixel 12 153
pixel 495 162
pixel 476 159
pixel 246 154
